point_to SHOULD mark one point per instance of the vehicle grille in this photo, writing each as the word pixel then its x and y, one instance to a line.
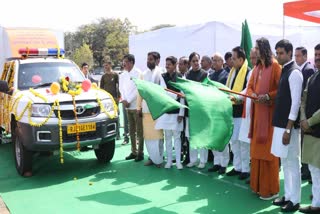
pixel 68 114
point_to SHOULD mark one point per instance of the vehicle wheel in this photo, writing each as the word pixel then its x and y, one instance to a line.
pixel 105 151
pixel 23 157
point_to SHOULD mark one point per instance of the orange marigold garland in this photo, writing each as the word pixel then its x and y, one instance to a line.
pixel 77 125
pixel 60 132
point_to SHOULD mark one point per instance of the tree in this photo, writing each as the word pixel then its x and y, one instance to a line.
pixel 106 37
pixel 83 54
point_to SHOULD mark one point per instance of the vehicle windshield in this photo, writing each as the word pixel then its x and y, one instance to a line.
pixel 34 74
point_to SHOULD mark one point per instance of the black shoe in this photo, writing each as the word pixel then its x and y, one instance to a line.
pixel 222 170
pixel 289 207
pixel 214 168
pixel 139 158
pixel 309 209
pixel 233 172
pixel 244 175
pixel 131 156
pixel 280 201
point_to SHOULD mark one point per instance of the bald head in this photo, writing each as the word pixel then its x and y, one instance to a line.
pixel 217 61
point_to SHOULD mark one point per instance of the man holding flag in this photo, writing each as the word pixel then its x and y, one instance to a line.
pixel 237 81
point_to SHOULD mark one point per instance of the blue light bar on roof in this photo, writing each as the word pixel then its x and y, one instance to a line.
pixel 41 51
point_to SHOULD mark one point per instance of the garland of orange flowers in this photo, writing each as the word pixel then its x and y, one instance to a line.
pixel 60 132
pixel 36 94
pixel 11 77
pixel 77 125
pixel 115 107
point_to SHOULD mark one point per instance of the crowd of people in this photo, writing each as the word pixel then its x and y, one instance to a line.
pixel 279 116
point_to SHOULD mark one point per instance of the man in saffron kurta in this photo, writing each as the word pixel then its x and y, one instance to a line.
pixel 263 84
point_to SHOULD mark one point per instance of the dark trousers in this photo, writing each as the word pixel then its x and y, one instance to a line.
pixel 136 132
pixel 125 123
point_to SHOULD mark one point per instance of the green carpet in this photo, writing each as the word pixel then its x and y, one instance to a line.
pixel 82 185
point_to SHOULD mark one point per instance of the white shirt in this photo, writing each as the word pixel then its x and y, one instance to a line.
pixel 127 87
pixel 153 76
pixel 295 84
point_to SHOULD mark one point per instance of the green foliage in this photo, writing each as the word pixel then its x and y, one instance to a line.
pixel 106 37
pixel 83 54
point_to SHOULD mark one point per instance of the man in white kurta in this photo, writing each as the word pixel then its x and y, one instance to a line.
pixel 286 139
pixel 237 81
pixel 153 138
pixel 171 122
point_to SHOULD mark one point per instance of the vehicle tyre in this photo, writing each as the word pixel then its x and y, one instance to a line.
pixel 105 151
pixel 23 157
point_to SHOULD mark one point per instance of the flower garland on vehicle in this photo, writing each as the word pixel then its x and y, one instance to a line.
pixel 77 124
pixel 67 87
pixel 70 87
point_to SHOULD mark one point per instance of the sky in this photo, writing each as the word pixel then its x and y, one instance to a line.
pixel 67 15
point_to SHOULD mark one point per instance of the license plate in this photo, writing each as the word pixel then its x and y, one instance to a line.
pixel 83 127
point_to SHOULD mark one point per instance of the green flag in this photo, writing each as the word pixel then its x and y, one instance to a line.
pixel 157 99
pixel 215 83
pixel 246 42
pixel 210 114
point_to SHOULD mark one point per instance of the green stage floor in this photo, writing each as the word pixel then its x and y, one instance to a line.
pixel 81 185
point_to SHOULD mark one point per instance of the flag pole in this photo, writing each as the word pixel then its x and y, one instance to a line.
pixel 234 92
pixel 176 93
pixel 221 89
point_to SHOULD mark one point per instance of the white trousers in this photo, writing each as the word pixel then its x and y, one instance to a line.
pixel 291 170
pixel 315 175
pixel 193 154
pixel 153 148
pixel 241 155
pixel 221 158
pixel 169 134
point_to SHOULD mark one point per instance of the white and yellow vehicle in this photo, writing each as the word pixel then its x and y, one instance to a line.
pixel 47 105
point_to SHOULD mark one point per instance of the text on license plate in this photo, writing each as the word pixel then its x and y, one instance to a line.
pixel 83 127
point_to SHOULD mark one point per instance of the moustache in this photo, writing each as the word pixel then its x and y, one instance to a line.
pixel 317 60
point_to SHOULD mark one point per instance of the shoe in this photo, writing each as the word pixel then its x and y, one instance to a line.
pixel 179 166
pixel 27 174
pixel 233 172
pixel 267 198
pixel 125 142
pixel 168 165
pixel 244 175
pixel 131 156
pixel 148 163
pixel 222 170
pixel 280 201
pixel 190 165
pixel 214 168
pixel 139 158
pixel 289 207
pixel 309 209
pixel 201 165
pixel 158 165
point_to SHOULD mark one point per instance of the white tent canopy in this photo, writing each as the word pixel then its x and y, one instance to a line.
pixel 212 37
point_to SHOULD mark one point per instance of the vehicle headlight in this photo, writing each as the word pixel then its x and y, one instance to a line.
pixel 108 105
pixel 40 110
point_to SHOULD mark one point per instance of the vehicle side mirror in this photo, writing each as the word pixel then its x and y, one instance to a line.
pixel 4 86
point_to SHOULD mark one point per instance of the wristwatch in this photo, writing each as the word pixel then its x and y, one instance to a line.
pixel 288 131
